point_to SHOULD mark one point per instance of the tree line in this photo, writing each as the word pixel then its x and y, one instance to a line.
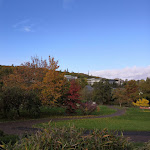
pixel 39 83
pixel 127 94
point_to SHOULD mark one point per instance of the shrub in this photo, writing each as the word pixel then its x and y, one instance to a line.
pixel 32 103
pixel 12 98
pixel 141 102
pixel 88 107
pixel 72 138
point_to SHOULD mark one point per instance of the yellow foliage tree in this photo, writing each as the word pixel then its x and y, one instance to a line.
pixel 141 102
pixel 52 84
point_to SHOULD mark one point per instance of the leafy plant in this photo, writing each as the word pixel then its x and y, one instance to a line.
pixel 72 138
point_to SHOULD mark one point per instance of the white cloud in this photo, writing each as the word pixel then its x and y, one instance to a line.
pixel 67 4
pixel 129 73
pixel 27 29
pixel 24 25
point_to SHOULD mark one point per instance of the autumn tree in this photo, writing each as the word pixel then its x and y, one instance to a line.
pixel 29 78
pixel 132 91
pixel 52 84
pixel 73 97
pixel 29 75
pixel 64 93
pixel 119 95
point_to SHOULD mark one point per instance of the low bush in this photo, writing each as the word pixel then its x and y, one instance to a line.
pixel 32 103
pixel 72 138
pixel 88 107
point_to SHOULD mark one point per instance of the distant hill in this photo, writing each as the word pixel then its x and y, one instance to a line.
pixel 80 75
pixel 5 70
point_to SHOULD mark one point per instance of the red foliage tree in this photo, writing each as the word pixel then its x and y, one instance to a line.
pixel 73 97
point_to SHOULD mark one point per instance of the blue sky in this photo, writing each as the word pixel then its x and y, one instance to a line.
pixel 83 35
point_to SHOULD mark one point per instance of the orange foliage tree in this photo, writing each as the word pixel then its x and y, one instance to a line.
pixel 28 76
pixel 120 95
pixel 40 76
pixel 53 82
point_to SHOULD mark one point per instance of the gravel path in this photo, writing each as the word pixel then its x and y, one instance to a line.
pixel 20 127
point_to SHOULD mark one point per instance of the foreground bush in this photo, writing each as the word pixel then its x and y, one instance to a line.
pixel 71 138
pixel 145 147
pixel 7 138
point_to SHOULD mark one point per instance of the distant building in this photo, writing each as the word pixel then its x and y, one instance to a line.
pixel 91 81
pixel 117 81
pixel 69 77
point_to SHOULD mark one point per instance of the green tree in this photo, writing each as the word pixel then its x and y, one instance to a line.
pixel 87 93
pixel 82 82
pixel 102 92
pixel 145 89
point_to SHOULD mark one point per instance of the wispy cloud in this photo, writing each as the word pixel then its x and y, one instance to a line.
pixel 24 25
pixel 27 29
pixel 67 4
pixel 129 73
pixel 20 23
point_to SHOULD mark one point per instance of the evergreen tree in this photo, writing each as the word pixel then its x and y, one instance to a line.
pixel 102 92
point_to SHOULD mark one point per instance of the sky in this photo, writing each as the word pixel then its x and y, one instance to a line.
pixel 107 38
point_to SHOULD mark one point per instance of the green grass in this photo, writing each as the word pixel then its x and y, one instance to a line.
pixel 134 120
pixel 57 112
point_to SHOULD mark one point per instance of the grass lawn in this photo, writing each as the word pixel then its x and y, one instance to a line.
pixel 58 112
pixel 135 119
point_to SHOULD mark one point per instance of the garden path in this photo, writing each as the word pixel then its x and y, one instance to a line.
pixel 21 127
